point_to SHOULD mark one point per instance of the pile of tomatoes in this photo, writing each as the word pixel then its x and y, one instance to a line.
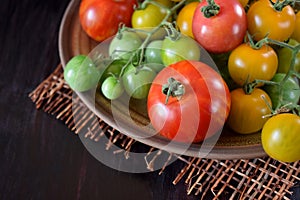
pixel 155 54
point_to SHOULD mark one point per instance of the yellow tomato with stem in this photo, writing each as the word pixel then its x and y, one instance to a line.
pixel 185 18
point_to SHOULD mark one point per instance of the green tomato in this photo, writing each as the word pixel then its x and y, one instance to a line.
pixel 153 52
pixel 285 58
pixel 81 73
pixel 124 44
pixel 155 66
pixel 137 82
pixel 183 48
pixel 112 68
pixel 290 91
pixel 112 88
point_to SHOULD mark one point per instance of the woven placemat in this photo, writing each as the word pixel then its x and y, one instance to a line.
pixel 260 178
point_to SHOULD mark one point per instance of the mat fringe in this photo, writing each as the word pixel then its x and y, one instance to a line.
pixel 261 178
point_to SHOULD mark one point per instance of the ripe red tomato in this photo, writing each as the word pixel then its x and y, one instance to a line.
pixel 222 32
pixel 101 19
pixel 199 113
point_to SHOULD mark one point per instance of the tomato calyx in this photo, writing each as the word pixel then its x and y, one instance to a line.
pixel 212 9
pixel 173 88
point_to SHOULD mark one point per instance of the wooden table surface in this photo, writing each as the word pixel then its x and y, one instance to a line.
pixel 40 157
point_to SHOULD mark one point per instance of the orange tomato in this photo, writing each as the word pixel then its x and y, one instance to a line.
pixel 185 18
pixel 296 33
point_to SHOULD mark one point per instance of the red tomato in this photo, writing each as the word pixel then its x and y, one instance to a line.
pixel 199 113
pixel 222 32
pixel 101 19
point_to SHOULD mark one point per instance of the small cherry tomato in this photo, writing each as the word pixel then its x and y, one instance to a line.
pixel 285 58
pixel 137 82
pixel 124 44
pixel 81 73
pixel 182 48
pixel 101 19
pixel 247 110
pixel 296 33
pixel 199 108
pixel 112 88
pixel 280 137
pixel 289 92
pixel 185 18
pixel 149 17
pixel 246 64
pixel 153 52
pixel 266 20
pixel 223 31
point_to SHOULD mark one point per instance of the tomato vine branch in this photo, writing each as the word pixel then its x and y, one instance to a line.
pixel 141 51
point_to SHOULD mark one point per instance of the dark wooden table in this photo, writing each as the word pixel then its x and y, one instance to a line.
pixel 40 157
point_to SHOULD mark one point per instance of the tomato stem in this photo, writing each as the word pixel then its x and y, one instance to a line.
pixel 212 9
pixel 279 5
pixel 258 44
pixel 164 22
pixel 173 88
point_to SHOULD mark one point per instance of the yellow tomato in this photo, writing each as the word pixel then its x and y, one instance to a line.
pixel 296 33
pixel 185 18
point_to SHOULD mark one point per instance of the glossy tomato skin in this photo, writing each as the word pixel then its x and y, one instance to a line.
pixel 124 44
pixel 101 19
pixel 248 64
pixel 199 113
pixel 280 137
pixel 151 16
pixel 264 20
pixel 247 110
pixel 296 33
pixel 137 82
pixel 183 48
pixel 81 73
pixel 185 18
pixel 222 32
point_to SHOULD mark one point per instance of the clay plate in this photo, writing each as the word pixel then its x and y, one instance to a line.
pixel 134 122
